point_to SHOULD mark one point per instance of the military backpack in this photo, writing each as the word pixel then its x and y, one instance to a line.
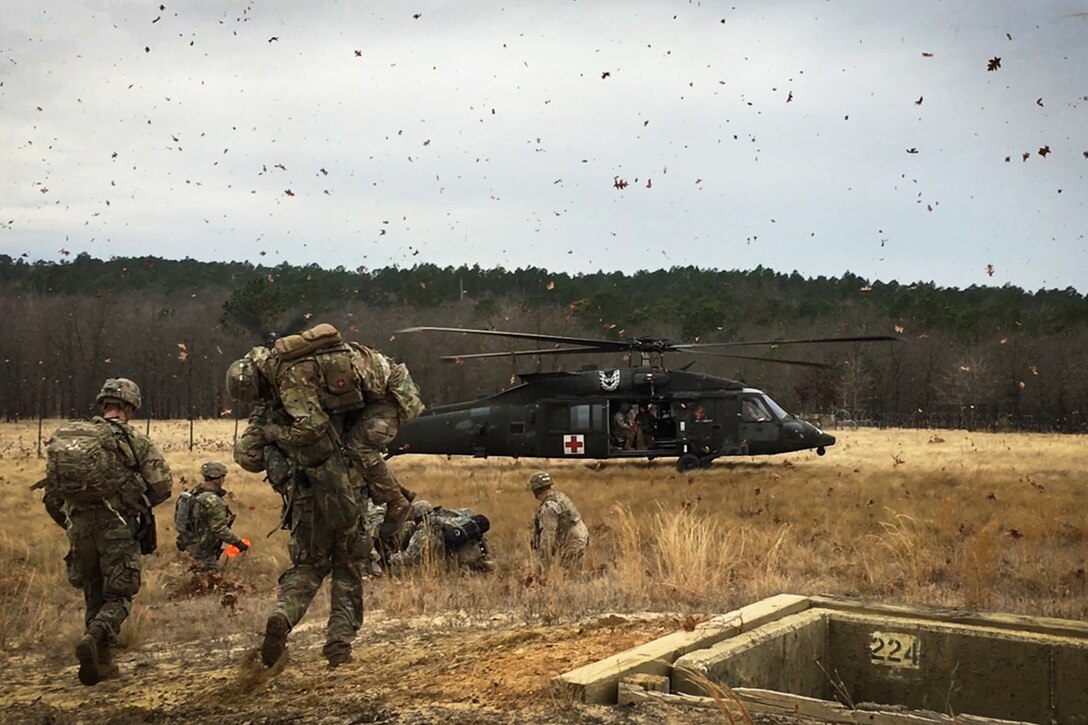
pixel 460 526
pixel 185 517
pixel 86 460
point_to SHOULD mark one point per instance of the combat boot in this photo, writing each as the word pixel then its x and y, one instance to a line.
pixel 396 513
pixel 275 639
pixel 339 658
pixel 107 668
pixel 337 653
pixel 87 652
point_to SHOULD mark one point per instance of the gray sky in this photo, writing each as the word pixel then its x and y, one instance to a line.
pixel 770 133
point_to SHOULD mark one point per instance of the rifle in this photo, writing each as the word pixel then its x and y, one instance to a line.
pixel 146 532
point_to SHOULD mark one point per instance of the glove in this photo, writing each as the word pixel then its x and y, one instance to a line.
pixel 233 550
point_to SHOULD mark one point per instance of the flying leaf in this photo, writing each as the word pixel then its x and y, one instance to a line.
pixel 990 270
pixel 550 285
pixel 993 63
pixel 1044 150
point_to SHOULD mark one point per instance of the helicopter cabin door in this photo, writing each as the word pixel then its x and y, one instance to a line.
pixel 575 429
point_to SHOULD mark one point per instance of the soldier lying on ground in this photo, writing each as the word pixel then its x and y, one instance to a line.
pixel 453 537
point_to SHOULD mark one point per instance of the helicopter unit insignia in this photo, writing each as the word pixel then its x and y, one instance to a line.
pixel 609 381
pixel 574 444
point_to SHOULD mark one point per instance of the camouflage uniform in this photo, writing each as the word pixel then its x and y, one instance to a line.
pixel 369 433
pixel 103 550
pixel 427 542
pixel 255 452
pixel 559 534
pixel 213 526
pixel 326 534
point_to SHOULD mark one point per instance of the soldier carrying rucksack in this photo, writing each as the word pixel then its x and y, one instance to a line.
pixel 203 520
pixel 102 479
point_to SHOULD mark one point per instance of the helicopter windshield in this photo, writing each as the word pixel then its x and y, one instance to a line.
pixel 776 410
pixel 753 410
pixel 760 408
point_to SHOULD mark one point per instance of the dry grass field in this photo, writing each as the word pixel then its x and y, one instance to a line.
pixel 991 522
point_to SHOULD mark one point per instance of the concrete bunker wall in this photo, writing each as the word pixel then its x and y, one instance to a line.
pixel 900 661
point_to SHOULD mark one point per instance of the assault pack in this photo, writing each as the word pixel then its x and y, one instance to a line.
pixel 351 374
pixel 86 460
pixel 185 518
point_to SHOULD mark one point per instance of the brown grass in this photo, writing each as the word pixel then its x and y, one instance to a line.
pixel 990 521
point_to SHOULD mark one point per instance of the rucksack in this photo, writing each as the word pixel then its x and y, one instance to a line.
pixel 459 527
pixel 185 518
pixel 87 462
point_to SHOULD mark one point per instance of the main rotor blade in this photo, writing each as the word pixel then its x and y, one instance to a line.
pixel 606 344
pixel 519 353
pixel 784 361
pixel 800 341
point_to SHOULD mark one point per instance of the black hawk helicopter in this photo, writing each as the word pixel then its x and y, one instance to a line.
pixel 641 411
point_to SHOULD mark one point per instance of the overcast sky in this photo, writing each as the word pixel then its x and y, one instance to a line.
pixel 817 136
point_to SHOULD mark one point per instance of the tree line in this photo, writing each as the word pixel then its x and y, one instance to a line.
pixel 983 357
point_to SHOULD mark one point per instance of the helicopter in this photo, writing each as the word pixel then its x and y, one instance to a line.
pixel 644 410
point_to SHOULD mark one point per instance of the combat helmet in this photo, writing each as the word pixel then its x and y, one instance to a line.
pixel 119 390
pixel 244 376
pixel 213 470
pixel 539 480
pixel 421 508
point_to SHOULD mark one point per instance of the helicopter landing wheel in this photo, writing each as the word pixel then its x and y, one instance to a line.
pixel 688 462
pixel 821 450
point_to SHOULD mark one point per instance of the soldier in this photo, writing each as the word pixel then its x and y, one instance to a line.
pixel 390 397
pixel 559 534
pixel 204 520
pixel 622 428
pixel 452 536
pixel 254 451
pixel 102 479
pixel 323 512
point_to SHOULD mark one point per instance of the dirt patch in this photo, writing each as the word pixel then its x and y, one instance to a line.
pixel 421 670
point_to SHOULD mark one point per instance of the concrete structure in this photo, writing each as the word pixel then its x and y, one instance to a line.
pixel 836 660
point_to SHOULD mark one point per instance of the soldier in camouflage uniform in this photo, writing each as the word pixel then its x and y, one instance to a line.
pixel 559 534
pixel 451 537
pixel 324 512
pixel 105 537
pixel 212 520
pixel 370 432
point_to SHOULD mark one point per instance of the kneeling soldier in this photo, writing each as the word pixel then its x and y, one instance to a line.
pixel 203 519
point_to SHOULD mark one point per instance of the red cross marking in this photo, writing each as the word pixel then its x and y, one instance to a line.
pixel 573 444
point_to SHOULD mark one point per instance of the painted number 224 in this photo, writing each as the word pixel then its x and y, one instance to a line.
pixel 896 650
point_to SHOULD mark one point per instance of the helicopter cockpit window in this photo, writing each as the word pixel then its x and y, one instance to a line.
pixel 754 410
pixel 776 410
